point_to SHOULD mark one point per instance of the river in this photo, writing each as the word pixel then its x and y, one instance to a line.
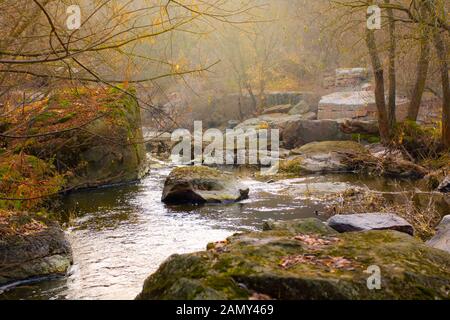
pixel 121 235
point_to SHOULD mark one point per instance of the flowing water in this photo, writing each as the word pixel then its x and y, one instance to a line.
pixel 121 235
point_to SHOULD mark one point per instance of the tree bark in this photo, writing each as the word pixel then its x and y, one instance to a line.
pixel 422 73
pixel 441 50
pixel 380 100
pixel 392 69
pixel 422 67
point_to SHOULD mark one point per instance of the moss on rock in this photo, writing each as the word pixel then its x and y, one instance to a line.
pixel 304 260
pixel 199 185
pixel 331 146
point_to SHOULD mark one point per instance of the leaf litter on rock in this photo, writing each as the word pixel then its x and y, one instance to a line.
pixel 332 263
pixel 315 240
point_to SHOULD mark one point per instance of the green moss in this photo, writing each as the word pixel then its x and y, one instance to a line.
pixel 410 270
pixel 45 116
pixel 67 117
pixel 331 146
pixel 366 137
pixel 293 166
pixel 64 103
pixel 196 172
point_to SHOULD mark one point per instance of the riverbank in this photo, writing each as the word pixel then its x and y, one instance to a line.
pixel 76 138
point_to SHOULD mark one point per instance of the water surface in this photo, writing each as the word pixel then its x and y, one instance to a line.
pixel 121 235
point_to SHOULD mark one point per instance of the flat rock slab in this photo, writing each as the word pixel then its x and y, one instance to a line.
pixel 370 221
pixel 442 238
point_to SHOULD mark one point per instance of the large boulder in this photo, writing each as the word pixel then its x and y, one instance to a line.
pixel 355 105
pixel 370 221
pixel 299 133
pixel 327 156
pixel 120 158
pixel 442 238
pixel 99 137
pixel 301 108
pixel 200 185
pixel 30 248
pixel 304 260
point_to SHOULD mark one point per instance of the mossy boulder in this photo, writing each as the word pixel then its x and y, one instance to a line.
pixel 27 177
pixel 114 151
pixel 304 259
pixel 199 185
pixel 92 135
pixel 327 156
pixel 31 247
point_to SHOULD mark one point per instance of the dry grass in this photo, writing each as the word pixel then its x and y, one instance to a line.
pixel 421 210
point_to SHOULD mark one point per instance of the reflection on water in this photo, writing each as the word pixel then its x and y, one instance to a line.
pixel 121 235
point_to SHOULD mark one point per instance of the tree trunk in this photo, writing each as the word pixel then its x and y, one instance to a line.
pixel 248 86
pixel 392 70
pixel 441 50
pixel 422 73
pixel 383 119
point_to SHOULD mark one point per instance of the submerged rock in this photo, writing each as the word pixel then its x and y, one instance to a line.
pixel 442 238
pixel 304 259
pixel 36 251
pixel 199 185
pixel 370 221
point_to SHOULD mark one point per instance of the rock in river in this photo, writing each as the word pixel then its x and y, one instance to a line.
pixel 198 185
pixel 304 260
pixel 31 249
pixel 370 221
pixel 442 238
pixel 328 156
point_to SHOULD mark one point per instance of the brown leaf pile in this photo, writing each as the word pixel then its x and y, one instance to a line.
pixel 316 241
pixel 332 263
pixel 10 225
